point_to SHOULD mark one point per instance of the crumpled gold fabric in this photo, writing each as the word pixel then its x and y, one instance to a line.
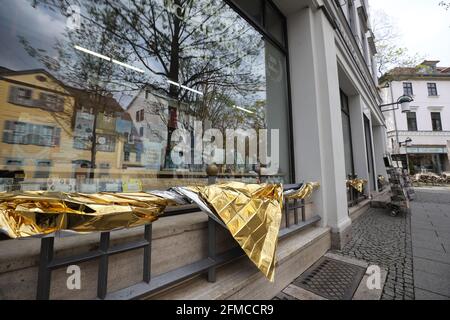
pixel 252 213
pixel 304 192
pixel 40 213
pixel 357 184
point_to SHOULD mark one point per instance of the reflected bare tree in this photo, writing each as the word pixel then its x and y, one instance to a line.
pixel 202 45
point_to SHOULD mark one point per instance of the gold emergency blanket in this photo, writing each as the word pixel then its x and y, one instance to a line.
pixel 304 192
pixel 252 213
pixel 41 213
pixel 357 184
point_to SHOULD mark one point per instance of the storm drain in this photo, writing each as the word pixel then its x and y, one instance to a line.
pixel 331 279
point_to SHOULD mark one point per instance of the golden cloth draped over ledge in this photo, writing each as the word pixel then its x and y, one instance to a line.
pixel 357 184
pixel 251 212
pixel 304 192
pixel 41 213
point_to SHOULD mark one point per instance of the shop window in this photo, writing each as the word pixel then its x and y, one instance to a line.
pixel 227 69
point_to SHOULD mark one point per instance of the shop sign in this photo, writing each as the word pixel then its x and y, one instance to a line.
pixel 427 150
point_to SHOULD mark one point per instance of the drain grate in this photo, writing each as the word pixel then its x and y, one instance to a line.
pixel 331 279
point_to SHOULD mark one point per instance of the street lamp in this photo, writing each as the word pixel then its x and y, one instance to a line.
pixel 404 102
pixel 406 144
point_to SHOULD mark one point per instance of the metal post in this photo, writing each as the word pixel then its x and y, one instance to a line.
pixel 148 254
pixel 44 276
pixel 212 172
pixel 303 210
pixel 286 213
pixel 102 282
pixel 212 248
pixel 296 211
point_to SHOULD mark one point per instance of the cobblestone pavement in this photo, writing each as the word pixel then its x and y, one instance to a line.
pixel 413 248
pixel 383 240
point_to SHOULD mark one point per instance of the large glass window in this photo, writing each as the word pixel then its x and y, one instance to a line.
pixel 151 90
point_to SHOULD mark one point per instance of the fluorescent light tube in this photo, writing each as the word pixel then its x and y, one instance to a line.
pixel 242 109
pixel 98 55
pixel 184 87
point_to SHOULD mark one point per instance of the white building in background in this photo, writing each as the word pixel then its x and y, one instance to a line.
pixel 428 123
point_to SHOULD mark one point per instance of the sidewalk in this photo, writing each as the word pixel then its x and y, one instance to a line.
pixel 430 225
pixel 413 248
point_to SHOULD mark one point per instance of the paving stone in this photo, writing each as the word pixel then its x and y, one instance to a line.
pixel 432 283
pixel 434 267
pixel 432 255
pixel 426 295
pixel 431 245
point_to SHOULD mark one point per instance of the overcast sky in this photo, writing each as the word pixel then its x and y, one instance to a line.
pixel 424 26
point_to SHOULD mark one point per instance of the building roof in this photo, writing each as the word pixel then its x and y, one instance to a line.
pixel 427 69
pixel 82 96
pixel 4 70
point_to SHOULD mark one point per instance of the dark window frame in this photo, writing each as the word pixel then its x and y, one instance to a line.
pixel 140 115
pixel 432 89
pixel 436 121
pixel 261 26
pixel 408 89
pixel 411 119
pixel 27 133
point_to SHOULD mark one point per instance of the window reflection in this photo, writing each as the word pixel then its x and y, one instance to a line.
pixel 93 93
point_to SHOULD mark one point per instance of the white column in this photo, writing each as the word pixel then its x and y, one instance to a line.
pixel 359 139
pixel 318 137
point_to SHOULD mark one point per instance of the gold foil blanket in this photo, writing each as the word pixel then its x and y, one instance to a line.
pixel 304 192
pixel 357 184
pixel 40 213
pixel 252 213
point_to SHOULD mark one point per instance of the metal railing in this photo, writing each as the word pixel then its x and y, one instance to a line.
pixel 153 284
pixel 354 197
